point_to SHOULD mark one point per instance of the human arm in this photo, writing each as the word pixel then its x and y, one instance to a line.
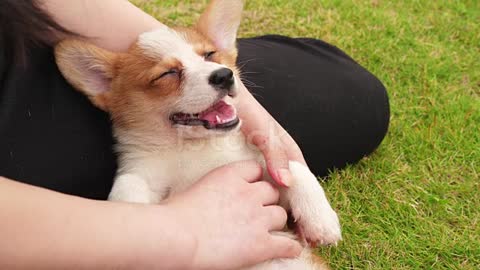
pixel 111 24
pixel 42 229
pixel 47 230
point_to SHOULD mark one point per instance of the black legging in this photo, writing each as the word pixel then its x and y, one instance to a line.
pixel 336 110
pixel 51 136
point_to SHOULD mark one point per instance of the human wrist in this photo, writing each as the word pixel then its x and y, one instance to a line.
pixel 158 236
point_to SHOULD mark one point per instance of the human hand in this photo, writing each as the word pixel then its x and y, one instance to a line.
pixel 261 129
pixel 230 215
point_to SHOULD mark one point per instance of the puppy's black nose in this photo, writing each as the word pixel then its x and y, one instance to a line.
pixel 222 79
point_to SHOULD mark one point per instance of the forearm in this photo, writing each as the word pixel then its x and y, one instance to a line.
pixel 111 24
pixel 41 229
pixel 249 110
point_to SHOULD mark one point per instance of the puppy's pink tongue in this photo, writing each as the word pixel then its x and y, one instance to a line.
pixel 219 113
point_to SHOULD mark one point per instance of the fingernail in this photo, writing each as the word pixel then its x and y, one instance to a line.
pixel 285 177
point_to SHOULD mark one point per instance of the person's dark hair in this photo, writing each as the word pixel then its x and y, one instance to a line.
pixel 23 23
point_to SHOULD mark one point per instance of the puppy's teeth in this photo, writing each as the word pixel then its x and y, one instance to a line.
pixel 218 119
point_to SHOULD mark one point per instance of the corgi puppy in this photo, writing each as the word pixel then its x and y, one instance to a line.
pixel 171 98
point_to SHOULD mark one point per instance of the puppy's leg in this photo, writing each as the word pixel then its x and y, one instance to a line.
pixel 131 188
pixel 315 218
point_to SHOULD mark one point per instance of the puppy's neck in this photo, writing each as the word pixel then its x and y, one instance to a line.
pixel 129 141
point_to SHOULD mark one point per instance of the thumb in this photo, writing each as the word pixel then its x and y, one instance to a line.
pixel 277 161
pixel 249 170
pixel 284 247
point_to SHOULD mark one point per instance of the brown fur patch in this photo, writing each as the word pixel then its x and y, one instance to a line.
pixel 319 262
pixel 137 92
pixel 202 45
pixel 144 73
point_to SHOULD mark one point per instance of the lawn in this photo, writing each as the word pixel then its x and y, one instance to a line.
pixel 415 203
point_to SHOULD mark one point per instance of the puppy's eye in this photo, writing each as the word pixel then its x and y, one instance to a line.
pixel 172 71
pixel 208 55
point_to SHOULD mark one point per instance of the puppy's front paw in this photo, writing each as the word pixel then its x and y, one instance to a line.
pixel 315 219
pixel 317 224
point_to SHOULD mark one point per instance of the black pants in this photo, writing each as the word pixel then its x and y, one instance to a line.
pixel 336 110
pixel 51 136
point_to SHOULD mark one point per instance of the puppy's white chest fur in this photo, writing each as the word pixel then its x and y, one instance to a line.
pixel 151 176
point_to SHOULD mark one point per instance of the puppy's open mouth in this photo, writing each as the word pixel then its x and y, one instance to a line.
pixel 220 116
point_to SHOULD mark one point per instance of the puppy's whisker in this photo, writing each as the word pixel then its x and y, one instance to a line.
pixel 247 61
pixel 250 83
pixel 253 86
pixel 244 63
pixel 249 72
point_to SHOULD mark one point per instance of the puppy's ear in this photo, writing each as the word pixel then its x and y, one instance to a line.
pixel 88 68
pixel 220 23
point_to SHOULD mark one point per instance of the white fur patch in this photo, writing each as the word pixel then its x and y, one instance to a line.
pixel 164 42
pixel 310 207
pixel 131 188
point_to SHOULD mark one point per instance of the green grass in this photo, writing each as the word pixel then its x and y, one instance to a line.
pixel 415 203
